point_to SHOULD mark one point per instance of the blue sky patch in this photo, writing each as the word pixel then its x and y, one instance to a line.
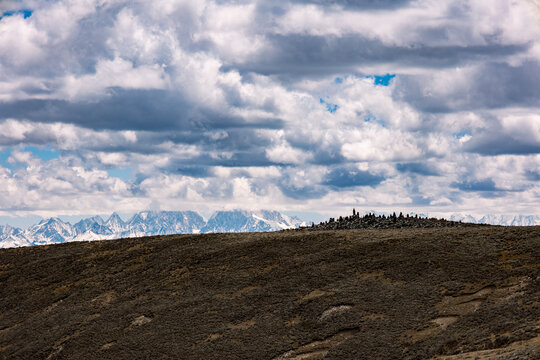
pixel 383 80
pixel 121 173
pixel 370 118
pixel 331 108
pixel 20 221
pixel 25 12
pixel 4 155
pixel 461 134
pixel 338 80
pixel 45 153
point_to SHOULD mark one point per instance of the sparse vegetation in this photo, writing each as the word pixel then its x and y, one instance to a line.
pixel 439 293
pixel 373 221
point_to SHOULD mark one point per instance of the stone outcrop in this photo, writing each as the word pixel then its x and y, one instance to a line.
pixel 372 221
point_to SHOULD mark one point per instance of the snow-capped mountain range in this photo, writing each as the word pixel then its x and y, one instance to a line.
pixel 504 220
pixel 145 223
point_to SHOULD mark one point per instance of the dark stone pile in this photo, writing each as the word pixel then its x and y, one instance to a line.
pixel 372 221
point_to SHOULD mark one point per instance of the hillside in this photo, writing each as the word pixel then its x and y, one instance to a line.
pixel 439 293
pixel 145 223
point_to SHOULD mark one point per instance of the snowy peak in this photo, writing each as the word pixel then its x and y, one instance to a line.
pixel 115 223
pixel 164 223
pixel 49 231
pixel 509 220
pixel 147 223
pixel 279 221
pixel 463 218
pixel 226 221
pixel 94 224
pixel 505 220
pixel 12 237
pixel 249 221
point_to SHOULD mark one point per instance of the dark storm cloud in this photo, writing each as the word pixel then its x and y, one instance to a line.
pixel 533 175
pixel 34 138
pixel 321 155
pixel 476 185
pixel 151 110
pixel 195 171
pixel 414 186
pixel 246 145
pixel 254 157
pixel 350 4
pixel 345 177
pixel 267 10
pixel 491 143
pixel 484 188
pixel 417 168
pixel 307 55
pixel 495 139
pixel 302 192
pixel 494 85
pixel 147 110
pixel 362 4
pixel 242 139
pixel 421 200
pixel 297 184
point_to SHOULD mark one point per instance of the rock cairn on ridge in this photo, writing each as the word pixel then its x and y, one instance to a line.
pixel 373 221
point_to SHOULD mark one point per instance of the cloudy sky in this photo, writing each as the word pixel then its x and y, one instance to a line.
pixel 309 106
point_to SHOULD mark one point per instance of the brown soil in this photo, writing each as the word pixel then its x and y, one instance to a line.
pixel 441 293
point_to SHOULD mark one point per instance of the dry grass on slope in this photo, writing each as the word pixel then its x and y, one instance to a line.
pixel 450 293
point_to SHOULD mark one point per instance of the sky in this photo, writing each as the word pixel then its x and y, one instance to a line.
pixel 305 106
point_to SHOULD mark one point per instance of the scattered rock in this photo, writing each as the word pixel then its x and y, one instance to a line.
pixel 243 325
pixel 244 290
pixel 313 295
pixel 445 321
pixel 334 311
pixel 141 320
pixel 317 349
pixel 108 345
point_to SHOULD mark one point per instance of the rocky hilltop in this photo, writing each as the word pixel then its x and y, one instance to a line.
pixel 373 221
pixel 451 293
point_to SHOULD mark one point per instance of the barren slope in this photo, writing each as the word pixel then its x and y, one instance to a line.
pixel 454 293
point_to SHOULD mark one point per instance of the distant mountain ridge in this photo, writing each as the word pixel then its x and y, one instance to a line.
pixel 490 219
pixel 145 223
pixel 504 220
